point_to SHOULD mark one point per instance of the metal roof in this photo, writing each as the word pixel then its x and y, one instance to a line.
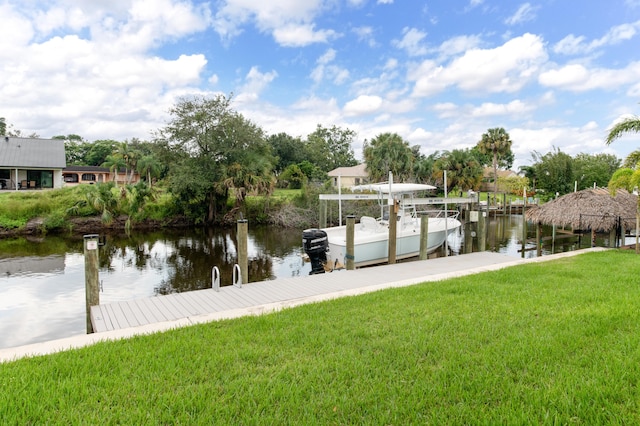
pixel 32 153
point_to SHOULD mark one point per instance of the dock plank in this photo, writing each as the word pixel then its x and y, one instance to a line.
pixel 206 301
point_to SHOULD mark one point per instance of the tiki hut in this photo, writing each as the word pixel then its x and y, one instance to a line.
pixel 590 209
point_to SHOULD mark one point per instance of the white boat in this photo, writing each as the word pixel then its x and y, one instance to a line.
pixel 371 235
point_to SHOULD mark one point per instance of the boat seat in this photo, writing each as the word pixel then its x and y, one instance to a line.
pixel 367 223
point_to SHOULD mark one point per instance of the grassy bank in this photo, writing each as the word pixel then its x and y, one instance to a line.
pixel 541 343
pixel 65 209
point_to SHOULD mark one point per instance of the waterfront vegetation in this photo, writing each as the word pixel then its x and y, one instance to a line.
pixel 56 209
pixel 553 342
pixel 60 210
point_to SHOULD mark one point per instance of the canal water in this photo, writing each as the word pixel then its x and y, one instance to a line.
pixel 42 291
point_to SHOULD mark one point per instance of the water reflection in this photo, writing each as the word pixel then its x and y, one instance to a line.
pixel 42 280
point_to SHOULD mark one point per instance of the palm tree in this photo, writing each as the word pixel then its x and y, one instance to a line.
pixel 114 163
pixel 388 152
pixel 496 142
pixel 628 125
pixel 149 166
pixel 463 170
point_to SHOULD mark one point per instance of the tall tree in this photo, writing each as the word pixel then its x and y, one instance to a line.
pixel 99 150
pixel 628 125
pixel 388 152
pixel 75 149
pixel 217 150
pixel 424 167
pixel 330 148
pixel 554 171
pixel 149 166
pixel 589 169
pixel 288 150
pixel 463 169
pixel 497 143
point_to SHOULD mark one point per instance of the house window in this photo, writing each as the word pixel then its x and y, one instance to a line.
pixel 88 177
pixel 357 180
pixel 70 177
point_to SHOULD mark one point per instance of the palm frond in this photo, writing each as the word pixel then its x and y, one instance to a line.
pixel 628 125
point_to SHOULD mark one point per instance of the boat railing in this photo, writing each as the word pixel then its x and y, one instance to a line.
pixel 440 214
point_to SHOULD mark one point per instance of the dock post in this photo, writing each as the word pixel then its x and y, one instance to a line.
pixel 468 236
pixel 482 233
pixel 91 278
pixel 393 231
pixel 243 258
pixel 638 231
pixel 524 222
pixel 424 235
pixel 350 255
pixel 539 240
pixel 323 214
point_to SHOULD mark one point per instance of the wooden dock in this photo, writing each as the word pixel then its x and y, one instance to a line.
pixel 265 296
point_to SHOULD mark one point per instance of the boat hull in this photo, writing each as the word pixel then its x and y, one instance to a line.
pixel 371 244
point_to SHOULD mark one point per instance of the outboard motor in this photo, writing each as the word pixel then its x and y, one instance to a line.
pixel 316 245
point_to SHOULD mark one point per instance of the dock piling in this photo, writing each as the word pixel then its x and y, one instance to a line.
pixel 91 278
pixel 243 257
pixel 393 230
pixel 350 255
pixel 424 233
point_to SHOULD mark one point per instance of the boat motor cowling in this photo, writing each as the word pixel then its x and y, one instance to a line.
pixel 316 245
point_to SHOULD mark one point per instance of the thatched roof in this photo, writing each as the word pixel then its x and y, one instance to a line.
pixel 594 209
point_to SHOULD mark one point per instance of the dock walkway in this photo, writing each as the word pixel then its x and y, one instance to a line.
pixel 264 296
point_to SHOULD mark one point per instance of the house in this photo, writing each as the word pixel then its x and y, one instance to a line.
pixel 349 176
pixel 30 163
pixel 75 175
pixel 487 178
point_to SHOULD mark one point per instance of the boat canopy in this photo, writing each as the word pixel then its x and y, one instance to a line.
pixel 394 188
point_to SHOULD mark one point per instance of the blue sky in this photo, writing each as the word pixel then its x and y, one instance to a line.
pixel 553 73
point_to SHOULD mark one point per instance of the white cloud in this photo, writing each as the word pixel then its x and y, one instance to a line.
pixel 493 109
pixel 578 78
pixel 420 136
pixel 294 35
pixel 362 105
pixel 325 71
pixel 572 45
pixel 572 140
pixel 255 83
pixel 525 13
pixel 412 42
pixel 17 30
pixel 365 34
pixel 460 44
pixel 506 68
pixel 92 82
pixel 289 21
pixel 385 2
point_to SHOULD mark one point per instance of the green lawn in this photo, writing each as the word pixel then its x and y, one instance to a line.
pixel 554 342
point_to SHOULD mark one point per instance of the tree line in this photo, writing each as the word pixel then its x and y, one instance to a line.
pixel 208 151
